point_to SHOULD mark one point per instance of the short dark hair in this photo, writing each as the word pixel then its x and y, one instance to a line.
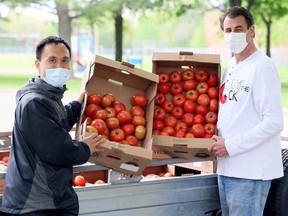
pixel 49 40
pixel 236 11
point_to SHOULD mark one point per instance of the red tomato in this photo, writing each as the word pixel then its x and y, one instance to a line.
pixel 179 133
pixel 163 133
pixel 163 77
pixel 198 119
pixel 213 80
pixel 168 106
pixel 210 128
pixel 101 114
pixel 213 92
pixel 159 113
pixel 117 135
pixel 160 98
pixel 202 87
pixel 100 125
pixel 189 106
pixel 192 95
pixel 187 118
pixel 187 74
pixel 158 125
pixel 175 77
pixel 89 120
pixel 5 159
pixel 112 123
pixel 107 100
pixel 177 112
pixel 124 117
pixel 132 140
pixel 139 100
pixel 110 112
pixel 203 100
pixel 94 99
pixel 201 110
pixel 118 106
pixel 201 75
pixel 169 130
pixel 176 88
pixel 178 100
pixel 163 87
pixel 181 126
pixel 189 84
pixel 198 130
pixel 206 135
pixel 170 121
pixel 211 117
pixel 128 129
pixel 189 135
pixel 79 180
pixel 90 109
pixel 213 105
pixel 137 111
pixel 155 132
pixel 138 120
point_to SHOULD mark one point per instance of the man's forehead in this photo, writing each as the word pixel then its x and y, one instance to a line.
pixel 54 49
pixel 234 22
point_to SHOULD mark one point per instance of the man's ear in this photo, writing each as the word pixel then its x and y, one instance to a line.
pixel 37 65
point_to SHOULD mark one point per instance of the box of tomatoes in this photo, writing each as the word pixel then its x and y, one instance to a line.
pixel 186 104
pixel 119 107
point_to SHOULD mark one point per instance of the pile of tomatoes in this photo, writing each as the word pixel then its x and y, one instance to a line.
pixel 186 104
pixel 111 119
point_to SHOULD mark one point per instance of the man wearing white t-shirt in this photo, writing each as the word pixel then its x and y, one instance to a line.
pixel 250 121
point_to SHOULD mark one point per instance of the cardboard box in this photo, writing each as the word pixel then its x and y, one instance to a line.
pixel 122 80
pixel 190 148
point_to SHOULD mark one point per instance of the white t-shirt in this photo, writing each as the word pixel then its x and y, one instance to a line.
pixel 251 119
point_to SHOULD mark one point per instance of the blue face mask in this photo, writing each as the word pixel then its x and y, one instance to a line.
pixel 57 77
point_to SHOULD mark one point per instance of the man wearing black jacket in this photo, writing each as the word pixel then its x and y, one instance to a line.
pixel 40 170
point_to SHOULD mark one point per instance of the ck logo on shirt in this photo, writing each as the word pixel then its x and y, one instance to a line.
pixel 233 88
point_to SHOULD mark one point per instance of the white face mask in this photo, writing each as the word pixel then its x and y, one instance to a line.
pixel 57 77
pixel 236 41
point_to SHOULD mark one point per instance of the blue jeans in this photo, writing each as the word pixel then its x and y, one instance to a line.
pixel 242 197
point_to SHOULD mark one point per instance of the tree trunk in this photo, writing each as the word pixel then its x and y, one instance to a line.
pixel 235 2
pixel 118 35
pixel 64 26
pixel 268 37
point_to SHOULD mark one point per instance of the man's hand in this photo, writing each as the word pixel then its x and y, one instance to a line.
pixel 94 142
pixel 81 96
pixel 218 148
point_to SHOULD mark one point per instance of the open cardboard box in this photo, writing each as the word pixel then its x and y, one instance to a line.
pixel 122 80
pixel 183 147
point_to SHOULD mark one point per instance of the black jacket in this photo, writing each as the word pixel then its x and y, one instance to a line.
pixel 39 174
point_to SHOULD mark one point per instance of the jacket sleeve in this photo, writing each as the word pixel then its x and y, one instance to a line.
pixel 45 135
pixel 73 110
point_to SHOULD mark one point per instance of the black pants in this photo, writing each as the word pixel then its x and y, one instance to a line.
pixel 45 213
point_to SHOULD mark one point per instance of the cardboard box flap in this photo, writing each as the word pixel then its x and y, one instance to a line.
pixel 123 158
pixel 173 59
pixel 122 73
